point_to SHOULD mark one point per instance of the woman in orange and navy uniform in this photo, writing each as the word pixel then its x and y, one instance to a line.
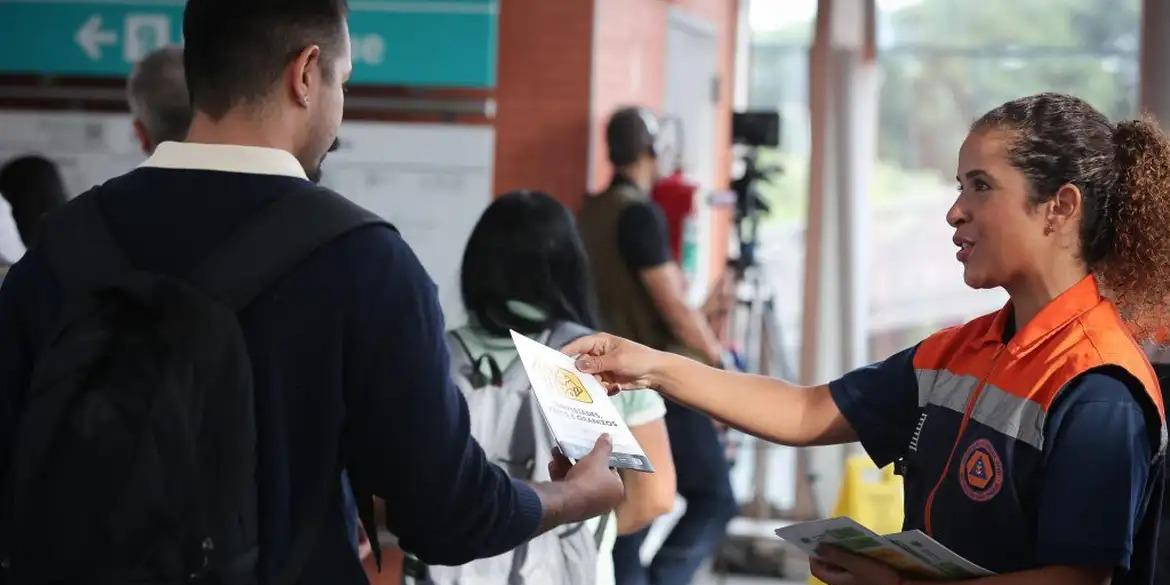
pixel 1030 439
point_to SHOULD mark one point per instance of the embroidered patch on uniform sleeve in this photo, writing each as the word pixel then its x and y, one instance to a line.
pixel 981 474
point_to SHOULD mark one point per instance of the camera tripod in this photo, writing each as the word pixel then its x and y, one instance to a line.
pixel 756 331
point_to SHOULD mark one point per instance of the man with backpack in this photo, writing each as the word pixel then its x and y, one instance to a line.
pixel 196 351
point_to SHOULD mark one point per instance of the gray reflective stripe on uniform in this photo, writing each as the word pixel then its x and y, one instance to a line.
pixel 1016 417
pixel 1013 416
pixel 942 388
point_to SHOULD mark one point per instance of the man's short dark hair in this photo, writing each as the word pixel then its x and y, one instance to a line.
pixel 157 92
pixel 631 132
pixel 236 50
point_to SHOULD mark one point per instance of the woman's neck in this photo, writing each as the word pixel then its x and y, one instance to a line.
pixel 1031 295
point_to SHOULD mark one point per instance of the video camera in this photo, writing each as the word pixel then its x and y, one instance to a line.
pixel 754 129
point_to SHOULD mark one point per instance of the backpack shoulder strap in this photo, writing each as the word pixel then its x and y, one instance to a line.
pixel 284 234
pixel 599 534
pixel 79 247
pixel 460 353
pixel 566 332
pixel 266 248
pixel 466 365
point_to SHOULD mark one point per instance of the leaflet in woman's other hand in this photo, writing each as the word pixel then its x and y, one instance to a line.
pixel 910 552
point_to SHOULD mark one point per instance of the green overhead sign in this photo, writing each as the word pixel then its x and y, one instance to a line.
pixel 430 43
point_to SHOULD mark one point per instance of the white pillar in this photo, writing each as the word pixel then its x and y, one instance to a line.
pixel 743 48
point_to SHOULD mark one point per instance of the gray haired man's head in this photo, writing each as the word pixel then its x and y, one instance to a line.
pixel 159 101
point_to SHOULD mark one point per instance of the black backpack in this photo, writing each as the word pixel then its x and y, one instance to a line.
pixel 135 456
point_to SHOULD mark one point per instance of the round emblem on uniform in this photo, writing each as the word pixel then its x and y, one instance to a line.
pixel 981 474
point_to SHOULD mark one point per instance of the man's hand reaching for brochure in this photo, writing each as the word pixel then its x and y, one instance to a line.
pixel 582 491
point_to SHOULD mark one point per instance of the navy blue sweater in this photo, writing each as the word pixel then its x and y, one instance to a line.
pixel 349 360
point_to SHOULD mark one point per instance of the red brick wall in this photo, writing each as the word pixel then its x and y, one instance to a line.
pixel 559 79
pixel 631 65
pixel 630 69
pixel 542 124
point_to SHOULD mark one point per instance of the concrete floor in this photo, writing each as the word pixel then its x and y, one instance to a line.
pixel 763 529
pixel 707 578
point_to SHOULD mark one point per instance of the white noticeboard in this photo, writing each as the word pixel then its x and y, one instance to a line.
pixel 89 148
pixel 432 181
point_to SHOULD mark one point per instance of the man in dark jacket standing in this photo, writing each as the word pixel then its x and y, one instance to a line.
pixel 347 349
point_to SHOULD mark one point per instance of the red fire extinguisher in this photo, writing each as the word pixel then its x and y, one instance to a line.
pixel 675 194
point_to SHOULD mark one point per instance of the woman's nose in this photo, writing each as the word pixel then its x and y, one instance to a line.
pixel 957 215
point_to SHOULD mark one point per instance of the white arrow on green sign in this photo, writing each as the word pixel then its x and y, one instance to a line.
pixel 430 43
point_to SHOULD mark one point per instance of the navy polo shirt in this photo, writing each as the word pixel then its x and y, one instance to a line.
pixel 1088 508
pixel 348 357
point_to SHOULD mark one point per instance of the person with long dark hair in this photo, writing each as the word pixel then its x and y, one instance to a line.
pixel 1030 439
pixel 525 270
pixel 33 187
pixel 525 251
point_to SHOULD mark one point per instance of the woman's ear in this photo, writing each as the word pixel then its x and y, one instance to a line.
pixel 1064 210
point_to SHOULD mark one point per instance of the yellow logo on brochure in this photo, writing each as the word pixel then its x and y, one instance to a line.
pixel 570 385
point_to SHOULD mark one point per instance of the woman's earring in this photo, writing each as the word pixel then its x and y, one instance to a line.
pixel 1049 230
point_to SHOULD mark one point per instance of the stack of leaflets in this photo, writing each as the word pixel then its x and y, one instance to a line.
pixel 911 552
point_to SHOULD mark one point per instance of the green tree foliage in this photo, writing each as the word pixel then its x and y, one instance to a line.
pixel 943 63
pixel 946 62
